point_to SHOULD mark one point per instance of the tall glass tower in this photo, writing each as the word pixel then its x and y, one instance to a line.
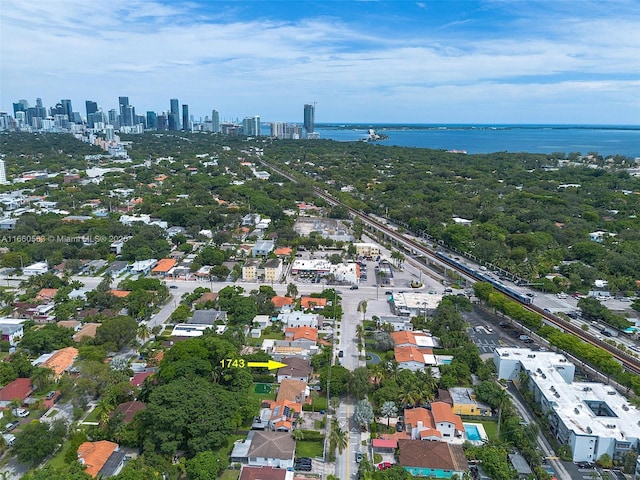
pixel 309 119
pixel 185 117
pixel 215 121
pixel 174 114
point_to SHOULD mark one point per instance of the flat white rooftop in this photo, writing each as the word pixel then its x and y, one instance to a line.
pixel 586 408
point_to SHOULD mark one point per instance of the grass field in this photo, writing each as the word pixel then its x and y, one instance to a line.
pixel 307 448
pixel 230 475
pixel 491 428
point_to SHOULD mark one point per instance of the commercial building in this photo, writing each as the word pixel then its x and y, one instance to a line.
pixel 591 418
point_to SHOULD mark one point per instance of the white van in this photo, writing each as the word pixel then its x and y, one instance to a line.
pixel 9 439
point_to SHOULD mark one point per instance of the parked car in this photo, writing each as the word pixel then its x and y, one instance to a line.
pixel 353 287
pixel 340 354
pixel 11 426
pixel 358 457
pixel 21 412
pixel 50 395
pixel 173 286
pixel 384 465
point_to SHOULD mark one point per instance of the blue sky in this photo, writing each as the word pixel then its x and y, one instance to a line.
pixel 361 61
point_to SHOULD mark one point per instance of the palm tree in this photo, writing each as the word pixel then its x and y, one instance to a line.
pixel 338 437
pixel 143 332
pixel 377 374
pixel 40 377
pixel 389 410
pixel 362 307
pixel 103 409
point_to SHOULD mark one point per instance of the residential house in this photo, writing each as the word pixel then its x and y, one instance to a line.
pixel 262 248
pixel 282 303
pixel 413 358
pixel 274 449
pixel 300 319
pixel 273 270
pixel 251 269
pixel 265 473
pixel 117 268
pixel 312 303
pixel 129 410
pixel 416 339
pixel 420 425
pixel 46 294
pixel 296 369
pixel 88 330
pixel 399 324
pixel 208 317
pixel 449 424
pixel 102 459
pixel 520 465
pixel 143 267
pixel 39 268
pixel 74 325
pixel 283 415
pixel 384 445
pixel 465 402
pixel 163 267
pixel 19 390
pixel 139 378
pixel 120 293
pixel 283 251
pixel 292 391
pixel 207 297
pixel 191 329
pixel 11 332
pixel 306 335
pixel 432 459
pixel 60 361
pixel 250 220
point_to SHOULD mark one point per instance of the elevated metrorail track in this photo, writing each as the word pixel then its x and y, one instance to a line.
pixel 629 362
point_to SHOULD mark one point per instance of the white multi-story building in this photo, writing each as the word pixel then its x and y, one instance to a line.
pixel 3 173
pixel 593 419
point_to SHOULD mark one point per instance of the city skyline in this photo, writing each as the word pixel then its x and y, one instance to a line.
pixel 374 62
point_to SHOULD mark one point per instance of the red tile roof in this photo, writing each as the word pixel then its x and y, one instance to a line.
pixel 129 409
pixel 442 412
pixel 164 265
pixel 139 378
pixel 312 302
pixel 94 455
pixel 20 388
pixel 280 302
pixel 262 473
pixel 384 443
pixel 301 333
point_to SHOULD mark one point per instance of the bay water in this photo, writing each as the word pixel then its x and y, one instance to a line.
pixel 605 140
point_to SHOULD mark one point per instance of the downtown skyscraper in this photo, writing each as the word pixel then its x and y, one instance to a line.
pixel 309 119
pixel 174 114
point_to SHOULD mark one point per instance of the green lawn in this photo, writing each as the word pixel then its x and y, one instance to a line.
pixel 93 416
pixel 307 448
pixel 263 396
pixel 491 428
pixel 230 475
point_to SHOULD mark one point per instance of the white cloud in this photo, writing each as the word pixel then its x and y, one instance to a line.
pixel 154 51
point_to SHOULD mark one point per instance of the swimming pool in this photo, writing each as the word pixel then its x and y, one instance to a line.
pixel 472 432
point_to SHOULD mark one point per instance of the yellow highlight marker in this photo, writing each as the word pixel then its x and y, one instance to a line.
pixel 271 364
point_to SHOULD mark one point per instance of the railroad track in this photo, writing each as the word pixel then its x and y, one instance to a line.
pixel 629 362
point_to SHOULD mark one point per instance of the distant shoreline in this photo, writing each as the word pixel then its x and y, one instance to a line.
pixel 440 126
